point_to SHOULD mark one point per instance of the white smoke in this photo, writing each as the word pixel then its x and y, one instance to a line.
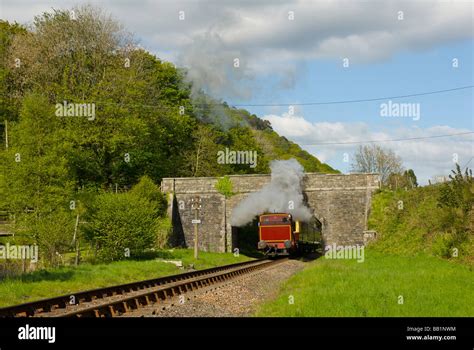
pixel 211 67
pixel 282 195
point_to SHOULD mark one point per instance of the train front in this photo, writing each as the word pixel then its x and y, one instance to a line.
pixel 276 236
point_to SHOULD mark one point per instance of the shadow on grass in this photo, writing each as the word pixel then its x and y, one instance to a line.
pixel 150 255
pixel 42 275
pixel 66 273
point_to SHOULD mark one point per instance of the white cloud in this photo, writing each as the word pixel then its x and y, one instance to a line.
pixel 266 41
pixel 427 157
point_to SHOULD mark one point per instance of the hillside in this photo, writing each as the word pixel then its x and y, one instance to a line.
pixel 145 107
pixel 272 145
pixel 436 220
pixel 93 122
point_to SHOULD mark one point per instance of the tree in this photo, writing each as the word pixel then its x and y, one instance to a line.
pixel 37 185
pixel 147 189
pixel 122 225
pixel 88 58
pixel 456 197
pixel 8 107
pixel 201 160
pixel 412 180
pixel 376 159
pixel 458 193
pixel 145 123
pixel 406 180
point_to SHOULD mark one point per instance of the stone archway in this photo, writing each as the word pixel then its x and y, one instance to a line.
pixel 340 202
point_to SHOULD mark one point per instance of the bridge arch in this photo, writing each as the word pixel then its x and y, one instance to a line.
pixel 341 202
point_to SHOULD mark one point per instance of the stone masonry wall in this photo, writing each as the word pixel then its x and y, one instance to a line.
pixel 340 202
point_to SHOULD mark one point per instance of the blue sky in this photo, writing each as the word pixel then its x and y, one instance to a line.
pixel 405 73
pixel 300 60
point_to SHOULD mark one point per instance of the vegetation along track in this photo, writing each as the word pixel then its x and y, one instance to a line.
pixel 122 299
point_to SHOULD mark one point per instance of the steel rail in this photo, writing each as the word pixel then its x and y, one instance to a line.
pixel 121 299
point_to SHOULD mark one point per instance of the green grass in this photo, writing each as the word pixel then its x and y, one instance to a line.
pixel 430 286
pixel 420 225
pixel 62 281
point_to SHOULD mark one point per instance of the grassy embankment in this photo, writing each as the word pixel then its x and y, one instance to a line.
pixel 49 283
pixel 429 287
pixel 411 270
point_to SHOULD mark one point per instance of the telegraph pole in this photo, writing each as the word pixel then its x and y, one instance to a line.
pixel 196 206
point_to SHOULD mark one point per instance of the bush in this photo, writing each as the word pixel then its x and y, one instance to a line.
pixel 52 232
pixel 163 231
pixel 148 190
pixel 121 224
pixel 431 219
pixel 224 186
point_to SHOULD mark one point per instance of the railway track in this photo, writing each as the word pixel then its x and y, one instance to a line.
pixel 123 299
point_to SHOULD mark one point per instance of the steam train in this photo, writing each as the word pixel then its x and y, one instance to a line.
pixel 279 234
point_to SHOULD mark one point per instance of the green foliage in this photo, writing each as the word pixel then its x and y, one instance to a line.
pixel 431 219
pixel 201 160
pixel 459 192
pixel 36 171
pixel 224 186
pixel 412 180
pixel 444 244
pixel 37 182
pixel 430 287
pixel 148 190
pixel 405 180
pixel 52 232
pixel 275 146
pixel 139 135
pixel 163 232
pixel 48 283
pixel 120 224
pixel 8 106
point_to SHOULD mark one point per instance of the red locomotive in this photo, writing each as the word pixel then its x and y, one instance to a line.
pixel 280 235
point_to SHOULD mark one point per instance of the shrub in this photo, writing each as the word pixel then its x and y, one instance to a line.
pixel 163 230
pixel 121 224
pixel 433 219
pixel 148 190
pixel 443 245
pixel 52 232
pixel 224 186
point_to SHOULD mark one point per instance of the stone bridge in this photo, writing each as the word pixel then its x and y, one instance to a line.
pixel 341 202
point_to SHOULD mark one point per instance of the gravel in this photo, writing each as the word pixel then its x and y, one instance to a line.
pixel 238 297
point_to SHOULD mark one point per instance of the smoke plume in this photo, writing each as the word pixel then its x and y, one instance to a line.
pixel 210 66
pixel 282 195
